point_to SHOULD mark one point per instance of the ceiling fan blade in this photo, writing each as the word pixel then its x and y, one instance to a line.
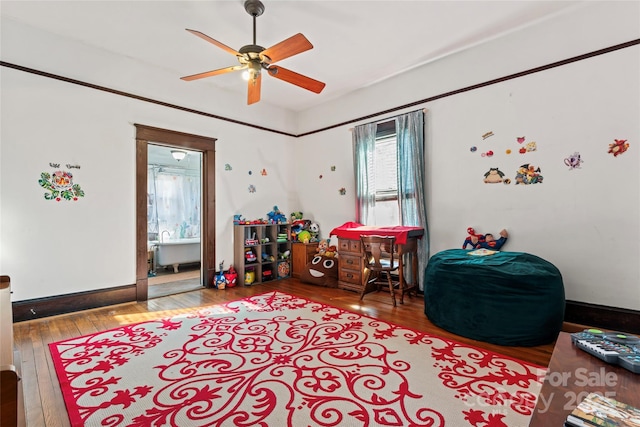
pixel 286 48
pixel 214 41
pixel 253 95
pixel 296 79
pixel 213 72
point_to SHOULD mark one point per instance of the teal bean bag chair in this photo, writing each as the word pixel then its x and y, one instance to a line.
pixel 508 298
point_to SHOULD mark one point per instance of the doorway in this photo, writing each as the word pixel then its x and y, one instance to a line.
pixel 174 200
pixel 205 146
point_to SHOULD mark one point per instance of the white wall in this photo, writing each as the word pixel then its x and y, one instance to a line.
pixel 585 221
pixel 51 248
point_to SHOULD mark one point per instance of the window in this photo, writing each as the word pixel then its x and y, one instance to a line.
pixel 385 176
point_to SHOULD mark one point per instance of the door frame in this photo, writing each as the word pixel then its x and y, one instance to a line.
pixel 206 145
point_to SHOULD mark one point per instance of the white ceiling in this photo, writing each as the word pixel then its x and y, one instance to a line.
pixel 356 43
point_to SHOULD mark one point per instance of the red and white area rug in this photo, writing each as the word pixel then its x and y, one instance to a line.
pixel 276 360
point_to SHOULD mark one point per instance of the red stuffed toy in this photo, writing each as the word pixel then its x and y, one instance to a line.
pixel 468 240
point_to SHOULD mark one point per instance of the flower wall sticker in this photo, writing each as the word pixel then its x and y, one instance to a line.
pixel 60 185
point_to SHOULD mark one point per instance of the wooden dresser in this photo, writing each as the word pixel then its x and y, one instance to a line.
pixel 350 264
pixel 301 255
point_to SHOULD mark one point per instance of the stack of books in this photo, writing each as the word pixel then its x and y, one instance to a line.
pixel 598 410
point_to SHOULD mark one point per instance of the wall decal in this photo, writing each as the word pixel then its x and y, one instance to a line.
pixel 520 139
pixel 320 176
pixel 493 176
pixel 60 185
pixel 250 172
pixel 508 151
pixel 473 149
pixel 532 146
pixel 487 135
pixel 227 167
pixel 342 191
pixel 528 174
pixel 263 172
pixel 618 147
pixel 252 188
pixel 333 168
pixel 487 154
pixel 573 161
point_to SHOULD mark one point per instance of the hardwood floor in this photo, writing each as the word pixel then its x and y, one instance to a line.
pixel 43 399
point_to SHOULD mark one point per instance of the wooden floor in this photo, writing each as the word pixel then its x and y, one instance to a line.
pixel 43 399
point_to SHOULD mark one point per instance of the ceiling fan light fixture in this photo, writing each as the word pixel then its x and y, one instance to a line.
pixel 178 154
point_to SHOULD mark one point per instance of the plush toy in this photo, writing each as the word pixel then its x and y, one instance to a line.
pixel 276 217
pixel 231 277
pixel 220 281
pixel 323 245
pixel 296 215
pixel 470 238
pixel 486 241
pixel 314 229
pixel 304 236
pixel 331 252
pixel 321 271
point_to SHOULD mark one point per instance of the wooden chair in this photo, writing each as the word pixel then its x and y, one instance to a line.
pixel 380 265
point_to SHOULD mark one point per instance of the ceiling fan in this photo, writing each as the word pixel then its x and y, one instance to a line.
pixel 254 58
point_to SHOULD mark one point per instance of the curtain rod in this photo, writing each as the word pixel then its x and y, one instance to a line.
pixel 424 110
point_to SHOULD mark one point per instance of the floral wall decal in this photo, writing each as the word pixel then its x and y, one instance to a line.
pixel 60 186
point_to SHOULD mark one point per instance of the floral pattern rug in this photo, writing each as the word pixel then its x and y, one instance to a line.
pixel 279 360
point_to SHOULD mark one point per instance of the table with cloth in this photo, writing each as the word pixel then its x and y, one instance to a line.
pixel 507 298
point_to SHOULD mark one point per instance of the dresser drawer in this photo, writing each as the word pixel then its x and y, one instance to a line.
pixel 347 245
pixel 350 276
pixel 350 262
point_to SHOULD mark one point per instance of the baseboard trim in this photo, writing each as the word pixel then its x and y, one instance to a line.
pixel 601 316
pixel 67 303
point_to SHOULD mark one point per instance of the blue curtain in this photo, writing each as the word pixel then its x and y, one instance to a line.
pixel 411 172
pixel 364 143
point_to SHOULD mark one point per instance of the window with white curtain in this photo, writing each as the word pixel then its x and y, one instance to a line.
pixel 385 177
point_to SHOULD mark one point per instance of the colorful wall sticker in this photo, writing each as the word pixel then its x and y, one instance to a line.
pixel 573 161
pixel 493 176
pixel 252 188
pixel 263 172
pixel 487 135
pixel 342 191
pixel 227 167
pixel 618 147
pixel 528 174
pixel 60 184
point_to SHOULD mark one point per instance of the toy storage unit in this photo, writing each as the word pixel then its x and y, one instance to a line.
pixel 262 252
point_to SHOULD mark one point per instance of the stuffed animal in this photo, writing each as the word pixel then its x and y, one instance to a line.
pixel 231 277
pixel 331 252
pixel 314 229
pixel 296 215
pixel 323 245
pixel 276 217
pixel 470 238
pixel 321 271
